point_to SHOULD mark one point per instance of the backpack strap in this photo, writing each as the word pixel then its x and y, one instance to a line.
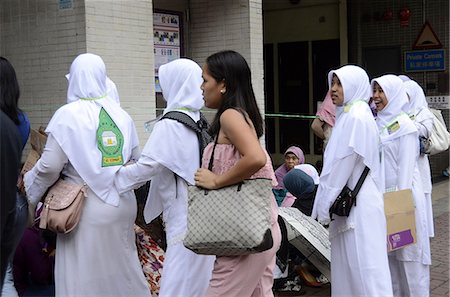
pixel 182 118
pixel 189 122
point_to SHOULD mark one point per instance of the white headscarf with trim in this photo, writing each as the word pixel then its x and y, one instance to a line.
pixel 171 143
pixel 355 130
pixel 74 126
pixel 395 110
pixel 111 89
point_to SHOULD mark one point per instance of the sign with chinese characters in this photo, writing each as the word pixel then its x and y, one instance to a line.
pixel 428 60
pixel 166 40
pixel 439 102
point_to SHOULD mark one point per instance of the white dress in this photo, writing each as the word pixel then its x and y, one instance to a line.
pixel 359 262
pixel 99 257
pixel 184 272
pixel 359 265
pixel 425 127
pixel 410 265
pixel 170 159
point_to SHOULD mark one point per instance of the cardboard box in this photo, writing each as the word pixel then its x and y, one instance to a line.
pixel 400 218
pixel 32 158
pixel 38 138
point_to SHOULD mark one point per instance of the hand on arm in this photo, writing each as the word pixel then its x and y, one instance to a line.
pixel 134 175
pixel 317 128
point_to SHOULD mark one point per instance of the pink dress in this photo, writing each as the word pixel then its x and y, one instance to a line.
pixel 250 275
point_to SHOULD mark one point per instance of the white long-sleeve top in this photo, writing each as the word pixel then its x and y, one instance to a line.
pixel 401 172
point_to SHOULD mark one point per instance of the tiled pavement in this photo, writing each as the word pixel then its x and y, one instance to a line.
pixel 439 273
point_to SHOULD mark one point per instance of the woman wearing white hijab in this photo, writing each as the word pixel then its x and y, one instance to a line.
pixel 423 119
pixel 99 257
pixel 400 150
pixel 170 158
pixel 359 264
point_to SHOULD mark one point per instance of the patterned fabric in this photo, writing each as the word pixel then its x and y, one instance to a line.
pixel 232 221
pixel 151 257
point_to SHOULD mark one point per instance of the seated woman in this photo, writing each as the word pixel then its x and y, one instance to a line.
pixel 302 183
pixel 292 157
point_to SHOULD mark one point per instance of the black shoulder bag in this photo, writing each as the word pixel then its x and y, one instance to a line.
pixel 347 198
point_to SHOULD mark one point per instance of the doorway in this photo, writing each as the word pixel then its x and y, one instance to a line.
pixel 297 94
pixel 293 80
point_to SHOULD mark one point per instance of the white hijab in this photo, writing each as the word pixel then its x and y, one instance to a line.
pixel 111 89
pixel 310 170
pixel 74 126
pixel 172 144
pixel 355 130
pixel 418 105
pixel 393 120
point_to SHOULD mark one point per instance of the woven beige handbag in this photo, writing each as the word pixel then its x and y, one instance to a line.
pixel 62 207
pixel 231 221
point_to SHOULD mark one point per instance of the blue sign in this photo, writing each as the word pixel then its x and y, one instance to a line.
pixel 429 60
pixel 65 4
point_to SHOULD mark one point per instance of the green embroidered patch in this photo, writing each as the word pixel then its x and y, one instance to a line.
pixel 109 140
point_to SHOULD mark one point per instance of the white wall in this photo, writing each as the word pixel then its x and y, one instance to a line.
pixel 230 25
pixel 121 32
pixel 42 40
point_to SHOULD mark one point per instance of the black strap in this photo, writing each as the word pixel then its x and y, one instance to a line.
pixel 360 181
pixel 182 118
pixel 188 121
pixel 210 164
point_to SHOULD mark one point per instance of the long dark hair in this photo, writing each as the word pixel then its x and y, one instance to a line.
pixel 9 91
pixel 231 67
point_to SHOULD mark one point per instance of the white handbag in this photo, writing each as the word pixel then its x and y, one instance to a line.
pixel 440 137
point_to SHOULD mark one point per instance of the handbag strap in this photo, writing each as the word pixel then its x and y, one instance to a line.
pixel 360 181
pixel 210 164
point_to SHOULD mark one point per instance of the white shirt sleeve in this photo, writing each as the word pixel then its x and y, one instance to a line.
pixel 331 185
pixel 425 127
pixel 135 153
pixel 407 159
pixel 133 176
pixel 46 171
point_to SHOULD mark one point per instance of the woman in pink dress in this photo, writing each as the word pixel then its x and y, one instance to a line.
pixel 238 125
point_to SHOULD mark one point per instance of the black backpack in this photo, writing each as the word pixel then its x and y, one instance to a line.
pixel 200 127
